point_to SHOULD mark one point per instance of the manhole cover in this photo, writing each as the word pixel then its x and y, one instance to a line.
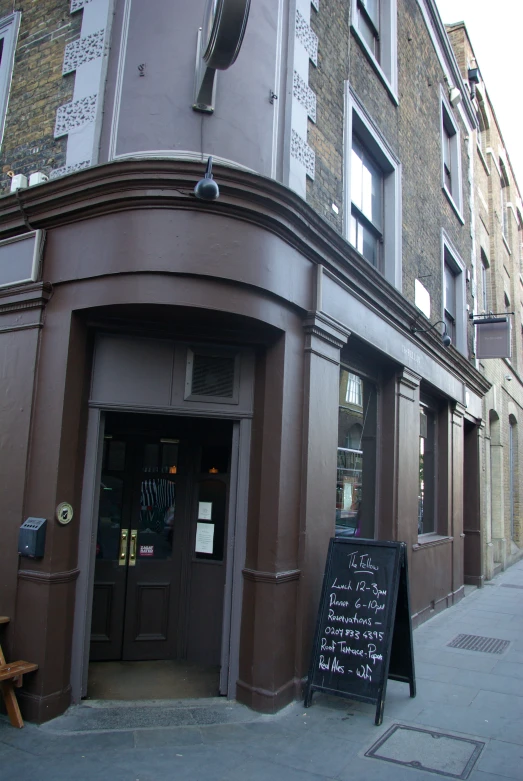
pixel 511 585
pixel 425 749
pixel 487 645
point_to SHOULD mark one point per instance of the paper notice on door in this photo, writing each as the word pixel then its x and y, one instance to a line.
pixel 204 538
pixel 204 511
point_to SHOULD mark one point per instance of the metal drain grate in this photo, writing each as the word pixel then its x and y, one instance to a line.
pixel 423 749
pixel 487 645
pixel 511 585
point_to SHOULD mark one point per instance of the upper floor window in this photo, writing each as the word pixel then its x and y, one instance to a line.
pixel 373 191
pixel 504 211
pixel 450 158
pixel 484 281
pixel 369 24
pixel 8 35
pixel 374 25
pixel 366 221
pixel 454 314
pixel 450 300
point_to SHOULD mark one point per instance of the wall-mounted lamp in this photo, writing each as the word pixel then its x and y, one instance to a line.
pixel 454 96
pixel 474 79
pixel 445 338
pixel 206 189
pixel 454 93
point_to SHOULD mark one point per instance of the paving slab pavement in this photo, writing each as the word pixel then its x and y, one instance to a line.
pixel 468 712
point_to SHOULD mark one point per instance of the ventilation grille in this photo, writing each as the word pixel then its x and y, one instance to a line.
pixel 487 645
pixel 213 375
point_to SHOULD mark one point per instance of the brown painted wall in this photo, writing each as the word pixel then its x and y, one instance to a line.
pixel 214 272
pixel 155 111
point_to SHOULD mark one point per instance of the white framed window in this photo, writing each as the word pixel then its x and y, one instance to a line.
pixel 451 158
pixel 484 281
pixel 375 28
pixel 9 27
pixel 453 286
pixel 373 190
pixel 504 210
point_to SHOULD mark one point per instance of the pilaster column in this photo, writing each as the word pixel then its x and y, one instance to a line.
pixel 456 491
pixel 324 339
pixel 398 516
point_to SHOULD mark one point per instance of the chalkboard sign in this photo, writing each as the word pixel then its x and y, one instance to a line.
pixel 364 631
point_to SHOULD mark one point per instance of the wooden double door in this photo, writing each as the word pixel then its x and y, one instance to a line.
pixel 161 539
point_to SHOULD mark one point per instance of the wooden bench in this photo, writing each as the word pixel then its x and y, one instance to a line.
pixel 11 675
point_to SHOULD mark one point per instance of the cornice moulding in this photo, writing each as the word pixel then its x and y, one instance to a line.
pixel 168 184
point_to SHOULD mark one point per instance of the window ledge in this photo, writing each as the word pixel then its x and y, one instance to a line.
pixel 507 247
pixel 431 540
pixel 483 160
pixel 376 66
pixel 453 204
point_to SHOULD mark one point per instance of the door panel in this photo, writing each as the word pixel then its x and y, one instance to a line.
pixel 111 543
pixel 155 595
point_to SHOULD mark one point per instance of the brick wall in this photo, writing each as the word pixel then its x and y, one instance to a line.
pixel 331 25
pixel 412 130
pixel 37 88
pixel 504 402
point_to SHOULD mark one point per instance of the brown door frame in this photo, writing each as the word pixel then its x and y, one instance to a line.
pixel 236 545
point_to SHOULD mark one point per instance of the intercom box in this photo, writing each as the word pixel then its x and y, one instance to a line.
pixel 31 539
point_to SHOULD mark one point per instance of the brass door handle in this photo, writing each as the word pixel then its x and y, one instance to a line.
pixel 132 550
pixel 122 556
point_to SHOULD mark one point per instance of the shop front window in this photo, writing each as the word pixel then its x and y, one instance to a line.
pixel 427 472
pixel 356 469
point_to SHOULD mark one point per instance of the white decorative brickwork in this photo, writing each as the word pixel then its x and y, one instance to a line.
pixel 76 5
pixel 302 152
pixel 68 169
pixel 83 50
pixel 74 115
pixel 86 57
pixel 307 36
pixel 315 4
pixel 303 93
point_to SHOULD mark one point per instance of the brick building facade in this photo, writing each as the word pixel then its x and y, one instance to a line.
pixel 269 364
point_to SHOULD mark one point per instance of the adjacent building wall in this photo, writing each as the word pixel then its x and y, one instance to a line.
pixel 498 237
pixel 37 89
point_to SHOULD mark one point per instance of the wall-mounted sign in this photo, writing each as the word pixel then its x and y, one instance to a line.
pixel 493 338
pixel 219 44
pixel 20 258
pixel 64 513
pixel 204 538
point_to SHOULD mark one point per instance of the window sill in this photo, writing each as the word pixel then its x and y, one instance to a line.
pixel 376 66
pixel 453 204
pixel 483 160
pixel 507 247
pixel 430 541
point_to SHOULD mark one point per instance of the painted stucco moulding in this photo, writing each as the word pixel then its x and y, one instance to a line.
pixel 76 5
pixel 83 50
pixel 304 153
pixel 304 95
pixel 74 115
pixel 308 37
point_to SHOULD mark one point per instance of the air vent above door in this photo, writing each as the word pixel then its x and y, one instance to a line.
pixel 212 375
